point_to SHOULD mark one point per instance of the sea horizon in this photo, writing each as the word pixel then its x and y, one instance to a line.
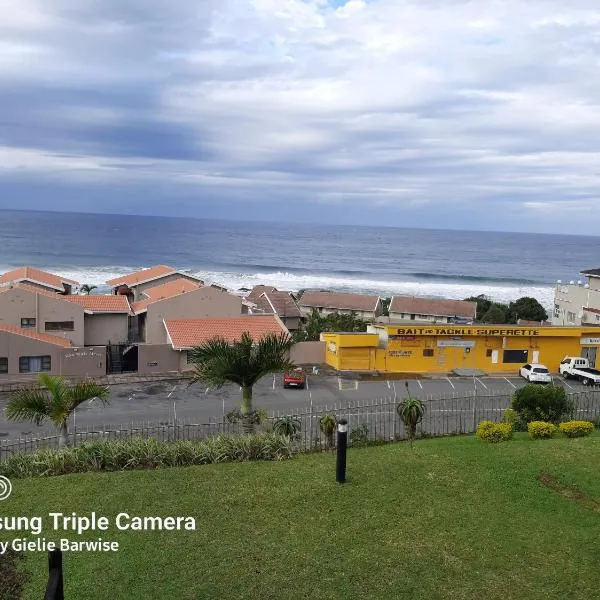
pixel 95 247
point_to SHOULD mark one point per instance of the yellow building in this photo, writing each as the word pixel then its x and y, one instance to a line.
pixel 415 348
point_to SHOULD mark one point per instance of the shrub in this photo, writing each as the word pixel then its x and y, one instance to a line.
pixel 574 429
pixel 288 427
pixel 411 411
pixel 12 575
pixel 513 418
pixel 327 424
pixel 494 432
pixel 256 416
pixel 541 403
pixel 359 435
pixel 541 429
pixel 140 453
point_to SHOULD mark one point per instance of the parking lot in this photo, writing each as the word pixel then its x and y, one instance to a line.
pixel 167 401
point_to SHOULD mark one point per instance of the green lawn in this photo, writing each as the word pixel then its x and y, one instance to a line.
pixel 453 518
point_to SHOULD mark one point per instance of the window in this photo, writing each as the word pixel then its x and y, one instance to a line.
pixel 27 322
pixel 3 364
pixel 60 325
pixel 571 317
pixel 489 352
pixel 557 310
pixel 514 356
pixel 34 364
pixel 428 352
pixel 412 317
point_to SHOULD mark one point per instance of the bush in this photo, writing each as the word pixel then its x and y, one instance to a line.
pixel 514 419
pixel 541 403
pixel 494 432
pixel 541 429
pixel 359 435
pixel 140 453
pixel 574 429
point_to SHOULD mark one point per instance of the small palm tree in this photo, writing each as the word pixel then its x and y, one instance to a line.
pixel 244 362
pixel 56 402
pixel 411 411
pixel 327 424
pixel 288 427
pixel 87 288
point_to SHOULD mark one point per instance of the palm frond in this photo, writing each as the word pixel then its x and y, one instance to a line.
pixel 28 405
pixel 86 390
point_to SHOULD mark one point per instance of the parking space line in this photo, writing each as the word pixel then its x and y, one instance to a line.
pixel 448 379
pixel 481 382
pixel 420 384
pixel 569 386
pixel 511 383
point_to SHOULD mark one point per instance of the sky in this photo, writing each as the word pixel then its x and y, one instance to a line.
pixel 423 113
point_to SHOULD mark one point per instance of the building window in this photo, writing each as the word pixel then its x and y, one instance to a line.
pixel 571 317
pixel 60 326
pixel 489 352
pixel 428 352
pixel 515 356
pixel 34 364
pixel 27 323
pixel 3 364
pixel 412 317
pixel 557 310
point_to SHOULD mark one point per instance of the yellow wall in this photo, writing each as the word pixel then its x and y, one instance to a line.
pixel 430 349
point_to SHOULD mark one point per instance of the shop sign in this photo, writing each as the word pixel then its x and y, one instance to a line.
pixel 400 353
pixel 454 344
pixel 467 331
pixel 590 341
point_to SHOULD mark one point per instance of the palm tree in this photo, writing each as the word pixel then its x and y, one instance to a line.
pixel 327 424
pixel 244 362
pixel 411 411
pixel 85 289
pixel 56 402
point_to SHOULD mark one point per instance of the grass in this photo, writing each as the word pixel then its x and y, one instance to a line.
pixel 454 518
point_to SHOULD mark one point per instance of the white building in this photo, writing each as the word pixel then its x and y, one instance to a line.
pixel 578 302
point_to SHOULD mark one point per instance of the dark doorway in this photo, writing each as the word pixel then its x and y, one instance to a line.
pixel 122 358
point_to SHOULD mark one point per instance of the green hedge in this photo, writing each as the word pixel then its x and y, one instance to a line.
pixel 140 453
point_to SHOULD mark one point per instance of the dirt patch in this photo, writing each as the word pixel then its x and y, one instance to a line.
pixel 12 575
pixel 569 491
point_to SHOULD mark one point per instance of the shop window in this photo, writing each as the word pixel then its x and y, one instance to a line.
pixel 428 352
pixel 489 352
pixel 27 323
pixel 3 364
pixel 515 356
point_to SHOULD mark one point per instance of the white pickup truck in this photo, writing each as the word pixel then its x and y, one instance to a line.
pixel 579 368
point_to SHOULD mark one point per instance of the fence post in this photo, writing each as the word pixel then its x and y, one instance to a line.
pixel 54 589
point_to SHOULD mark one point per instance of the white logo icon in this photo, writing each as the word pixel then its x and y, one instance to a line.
pixel 5 488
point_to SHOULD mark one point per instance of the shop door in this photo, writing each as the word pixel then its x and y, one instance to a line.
pixel 590 354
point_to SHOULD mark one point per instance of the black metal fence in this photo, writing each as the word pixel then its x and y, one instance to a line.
pixel 368 420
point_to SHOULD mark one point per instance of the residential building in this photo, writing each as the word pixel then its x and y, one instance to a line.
pixel 270 300
pixel 135 284
pixel 325 302
pixel 578 303
pixel 430 310
pixel 416 348
pixel 39 279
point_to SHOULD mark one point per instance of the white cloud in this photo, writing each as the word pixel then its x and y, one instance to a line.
pixel 405 103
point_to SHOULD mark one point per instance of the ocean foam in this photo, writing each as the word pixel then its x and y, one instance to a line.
pixel 294 282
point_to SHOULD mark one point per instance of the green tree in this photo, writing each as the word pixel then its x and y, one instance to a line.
pixel 496 314
pixel 327 425
pixel 385 306
pixel 483 304
pixel 244 362
pixel 526 308
pixel 86 288
pixel 55 402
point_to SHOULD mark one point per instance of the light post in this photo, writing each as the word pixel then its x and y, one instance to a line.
pixel 342 440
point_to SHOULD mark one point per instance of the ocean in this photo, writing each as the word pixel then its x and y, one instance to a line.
pixel 92 248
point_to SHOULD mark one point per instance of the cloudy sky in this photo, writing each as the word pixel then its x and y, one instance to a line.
pixel 436 113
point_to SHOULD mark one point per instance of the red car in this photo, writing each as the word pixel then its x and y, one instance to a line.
pixel 294 378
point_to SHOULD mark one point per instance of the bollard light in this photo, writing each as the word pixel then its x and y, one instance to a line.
pixel 342 440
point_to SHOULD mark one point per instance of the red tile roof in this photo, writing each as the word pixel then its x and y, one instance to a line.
pixel 101 304
pixel 172 288
pixel 146 275
pixel 36 290
pixel 338 300
pixel 36 276
pixel 40 337
pixel 188 333
pixel 281 303
pixel 439 307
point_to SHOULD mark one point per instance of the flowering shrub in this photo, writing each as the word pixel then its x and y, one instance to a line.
pixel 576 428
pixel 494 432
pixel 541 430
